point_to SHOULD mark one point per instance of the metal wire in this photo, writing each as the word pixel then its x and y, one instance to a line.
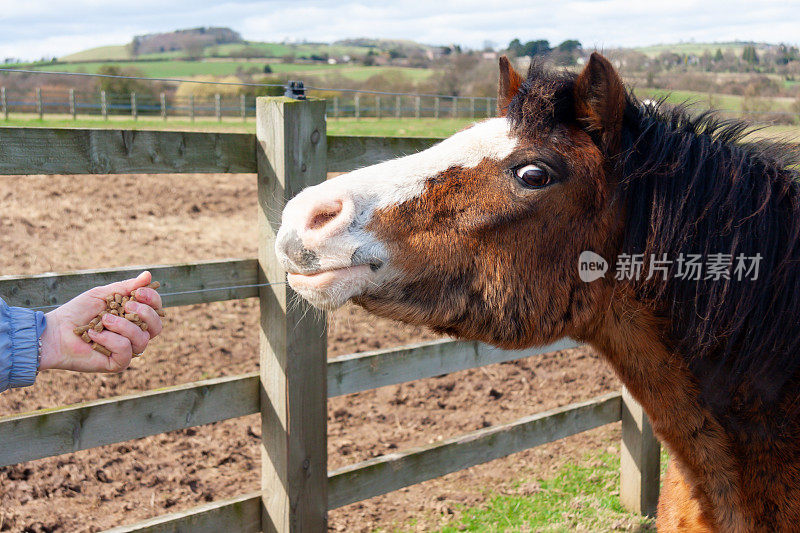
pixel 194 291
pixel 427 95
pixel 116 76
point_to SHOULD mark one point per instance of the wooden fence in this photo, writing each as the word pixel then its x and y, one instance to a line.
pixel 69 103
pixel 289 151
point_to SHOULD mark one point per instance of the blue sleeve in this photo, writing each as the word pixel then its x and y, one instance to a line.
pixel 20 330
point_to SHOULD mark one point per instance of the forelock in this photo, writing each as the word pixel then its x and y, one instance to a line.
pixel 544 100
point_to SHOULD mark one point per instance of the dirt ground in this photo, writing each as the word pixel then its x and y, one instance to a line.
pixel 54 223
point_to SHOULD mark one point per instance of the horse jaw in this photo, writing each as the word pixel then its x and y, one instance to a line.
pixel 324 244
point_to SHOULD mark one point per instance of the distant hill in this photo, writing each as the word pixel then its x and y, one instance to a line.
pixel 194 39
pixel 101 53
pixel 226 43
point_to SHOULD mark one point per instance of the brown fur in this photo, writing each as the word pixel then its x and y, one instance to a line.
pixel 628 334
pixel 600 99
pixel 508 87
pixel 678 509
pixel 478 256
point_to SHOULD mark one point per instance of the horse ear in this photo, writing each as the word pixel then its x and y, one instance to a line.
pixel 600 101
pixel 508 87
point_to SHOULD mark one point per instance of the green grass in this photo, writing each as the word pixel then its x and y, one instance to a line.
pixel 362 73
pixel 178 69
pixel 404 127
pixel 728 102
pixel 101 53
pixel 281 49
pixel 125 123
pixel 719 101
pixel 579 497
pixel 184 69
pixel 408 127
pixel 390 127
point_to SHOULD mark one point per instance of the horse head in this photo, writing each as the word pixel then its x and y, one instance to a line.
pixel 480 235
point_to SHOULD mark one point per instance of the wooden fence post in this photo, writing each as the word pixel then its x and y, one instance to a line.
pixel 335 107
pixel 358 111
pixel 472 108
pixel 378 107
pixel 436 108
pixel 397 107
pixel 73 109
pixel 488 107
pixel 243 107
pixel 134 113
pixel 163 106
pixel 417 107
pixel 454 108
pixel 218 107
pixel 191 107
pixel 640 458
pixel 103 105
pixel 291 153
pixel 39 105
pixel 4 102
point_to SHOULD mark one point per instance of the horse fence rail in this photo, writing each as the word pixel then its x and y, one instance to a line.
pixel 57 103
pixel 295 377
pixel 66 103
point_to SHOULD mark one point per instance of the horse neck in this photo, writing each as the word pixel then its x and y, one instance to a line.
pixel 630 337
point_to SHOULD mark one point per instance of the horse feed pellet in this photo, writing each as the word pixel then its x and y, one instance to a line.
pixel 115 305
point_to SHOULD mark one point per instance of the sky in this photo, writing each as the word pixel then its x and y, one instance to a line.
pixel 30 29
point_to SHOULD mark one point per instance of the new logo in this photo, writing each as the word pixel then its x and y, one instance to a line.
pixel 591 266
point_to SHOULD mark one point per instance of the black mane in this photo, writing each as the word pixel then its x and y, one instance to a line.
pixel 692 184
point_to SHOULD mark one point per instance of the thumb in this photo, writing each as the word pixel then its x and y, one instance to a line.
pixel 124 287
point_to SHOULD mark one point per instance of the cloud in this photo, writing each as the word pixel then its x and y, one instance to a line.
pixel 37 28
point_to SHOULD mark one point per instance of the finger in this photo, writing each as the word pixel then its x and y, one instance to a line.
pixel 148 316
pixel 124 287
pixel 149 297
pixel 127 329
pixel 121 349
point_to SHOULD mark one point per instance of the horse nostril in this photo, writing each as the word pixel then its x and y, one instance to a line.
pixel 320 219
pixel 323 214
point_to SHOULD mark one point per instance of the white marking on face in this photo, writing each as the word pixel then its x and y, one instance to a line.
pixel 399 180
pixel 361 192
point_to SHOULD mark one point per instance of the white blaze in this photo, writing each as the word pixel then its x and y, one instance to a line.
pixel 361 192
pixel 399 180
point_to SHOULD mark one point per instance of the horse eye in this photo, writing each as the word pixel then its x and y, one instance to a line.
pixel 532 176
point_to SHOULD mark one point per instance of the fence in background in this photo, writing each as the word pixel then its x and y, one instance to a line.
pixel 66 104
pixel 295 377
pixel 60 103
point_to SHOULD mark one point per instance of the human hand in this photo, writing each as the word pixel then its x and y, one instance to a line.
pixel 64 350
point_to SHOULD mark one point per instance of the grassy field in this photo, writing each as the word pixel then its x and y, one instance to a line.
pixel 265 50
pixel 579 497
pixel 727 102
pixel 101 53
pixel 408 127
pixel 282 49
pixel 691 48
pixel 174 68
pixel 405 127
pixel 188 69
